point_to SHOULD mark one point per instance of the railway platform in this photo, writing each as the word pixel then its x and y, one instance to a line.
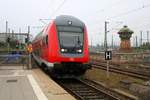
pixel 17 83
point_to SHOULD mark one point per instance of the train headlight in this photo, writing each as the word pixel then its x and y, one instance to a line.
pixel 79 50
pixel 62 50
pixel 69 22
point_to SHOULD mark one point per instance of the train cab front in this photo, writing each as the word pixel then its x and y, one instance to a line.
pixel 73 45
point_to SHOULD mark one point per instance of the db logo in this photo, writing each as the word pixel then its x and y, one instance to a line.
pixel 71 59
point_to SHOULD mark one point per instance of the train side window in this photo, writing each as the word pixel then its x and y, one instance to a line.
pixel 47 40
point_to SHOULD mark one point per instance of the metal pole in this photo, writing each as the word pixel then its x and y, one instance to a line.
pixel 30 67
pixel 28 29
pixel 6 35
pixel 105 38
pixel 6 26
pixel 6 29
pixel 28 33
pixel 105 45
pixel 107 69
pixel 19 38
pixel 141 38
pixel 136 41
pixel 147 36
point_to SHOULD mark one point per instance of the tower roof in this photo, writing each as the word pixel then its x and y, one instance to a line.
pixel 125 29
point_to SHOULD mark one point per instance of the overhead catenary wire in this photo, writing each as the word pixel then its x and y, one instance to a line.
pixel 53 13
pixel 110 6
pixel 128 12
pixel 131 11
pixel 107 7
pixel 58 8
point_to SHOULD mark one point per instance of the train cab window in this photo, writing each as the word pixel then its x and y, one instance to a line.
pixel 71 39
pixel 45 41
pixel 69 29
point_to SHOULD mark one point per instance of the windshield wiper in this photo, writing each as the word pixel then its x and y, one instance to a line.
pixel 77 44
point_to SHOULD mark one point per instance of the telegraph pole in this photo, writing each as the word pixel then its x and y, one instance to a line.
pixel 105 38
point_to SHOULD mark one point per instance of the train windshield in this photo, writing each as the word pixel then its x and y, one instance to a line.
pixel 71 39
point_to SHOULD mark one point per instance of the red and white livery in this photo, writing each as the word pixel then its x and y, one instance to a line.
pixel 62 47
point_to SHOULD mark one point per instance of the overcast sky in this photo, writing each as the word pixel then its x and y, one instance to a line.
pixel 133 13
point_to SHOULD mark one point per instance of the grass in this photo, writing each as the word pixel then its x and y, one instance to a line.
pixel 114 79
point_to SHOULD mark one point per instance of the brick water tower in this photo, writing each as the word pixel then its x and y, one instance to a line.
pixel 125 34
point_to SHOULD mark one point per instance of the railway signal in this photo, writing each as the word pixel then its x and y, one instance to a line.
pixel 26 40
pixel 108 56
pixel 29 48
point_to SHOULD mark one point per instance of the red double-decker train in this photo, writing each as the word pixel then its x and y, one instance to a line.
pixel 62 47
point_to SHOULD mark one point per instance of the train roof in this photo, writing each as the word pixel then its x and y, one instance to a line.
pixel 65 19
pixel 61 20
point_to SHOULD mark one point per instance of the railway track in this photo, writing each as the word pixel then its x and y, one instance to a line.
pixel 129 72
pixel 84 91
pixel 110 91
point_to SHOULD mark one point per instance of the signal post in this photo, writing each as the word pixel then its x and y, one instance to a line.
pixel 108 57
pixel 29 49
